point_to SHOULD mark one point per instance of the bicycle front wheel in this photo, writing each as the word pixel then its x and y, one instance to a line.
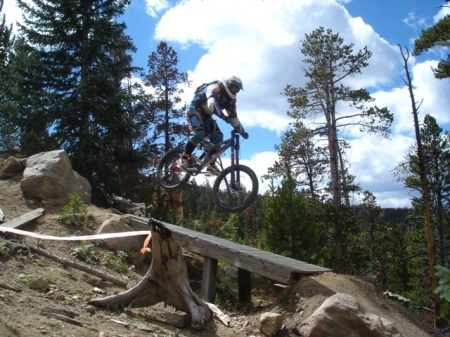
pixel 168 174
pixel 235 191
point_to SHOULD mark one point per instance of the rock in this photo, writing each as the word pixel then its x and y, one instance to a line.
pixel 341 315
pixel 131 243
pixel 270 323
pixel 39 284
pixel 11 167
pixel 49 177
pixel 177 319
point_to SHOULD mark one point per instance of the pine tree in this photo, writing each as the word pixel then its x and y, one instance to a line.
pixel 30 102
pixel 305 158
pixel 424 182
pixel 8 131
pixel 328 63
pixel 435 36
pixel 164 78
pixel 82 55
pixel 6 39
pixel 289 226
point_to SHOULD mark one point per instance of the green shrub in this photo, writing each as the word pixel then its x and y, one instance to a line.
pixel 116 261
pixel 443 290
pixel 86 253
pixel 75 213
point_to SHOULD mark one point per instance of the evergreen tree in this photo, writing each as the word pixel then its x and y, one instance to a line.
pixel 424 182
pixel 82 56
pixel 299 151
pixel 164 78
pixel 6 39
pixel 8 132
pixel 437 160
pixel 436 36
pixel 29 100
pixel 289 226
pixel 329 62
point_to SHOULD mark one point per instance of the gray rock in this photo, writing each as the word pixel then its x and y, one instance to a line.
pixel 270 323
pixel 10 167
pixel 49 177
pixel 341 315
pixel 130 243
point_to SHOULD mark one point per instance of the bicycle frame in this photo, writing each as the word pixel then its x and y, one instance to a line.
pixel 220 147
pixel 229 193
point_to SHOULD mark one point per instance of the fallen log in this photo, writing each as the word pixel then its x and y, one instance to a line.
pixel 73 264
pixel 10 286
pixel 165 281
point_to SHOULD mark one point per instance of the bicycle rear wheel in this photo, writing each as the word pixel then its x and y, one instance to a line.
pixel 168 174
pixel 238 196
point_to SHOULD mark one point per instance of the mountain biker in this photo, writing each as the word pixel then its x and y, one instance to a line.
pixel 212 99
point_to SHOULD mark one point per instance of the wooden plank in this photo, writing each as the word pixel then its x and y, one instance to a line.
pixel 208 290
pixel 24 220
pixel 275 267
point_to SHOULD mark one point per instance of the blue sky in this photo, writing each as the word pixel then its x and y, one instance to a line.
pixel 259 41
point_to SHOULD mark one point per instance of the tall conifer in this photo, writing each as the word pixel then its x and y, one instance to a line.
pixel 83 56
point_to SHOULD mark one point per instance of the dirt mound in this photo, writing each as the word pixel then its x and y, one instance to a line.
pixel 32 309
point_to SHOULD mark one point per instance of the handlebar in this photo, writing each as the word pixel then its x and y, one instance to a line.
pixel 241 131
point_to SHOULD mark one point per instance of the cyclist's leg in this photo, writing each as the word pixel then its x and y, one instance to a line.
pixel 197 130
pixel 214 130
pixel 216 137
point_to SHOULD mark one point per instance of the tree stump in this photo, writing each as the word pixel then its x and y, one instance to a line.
pixel 165 281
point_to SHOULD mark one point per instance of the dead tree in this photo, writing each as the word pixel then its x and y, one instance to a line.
pixel 165 281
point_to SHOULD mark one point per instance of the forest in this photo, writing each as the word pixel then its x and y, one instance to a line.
pixel 67 81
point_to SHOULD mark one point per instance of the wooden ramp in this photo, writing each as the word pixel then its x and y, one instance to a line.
pixel 24 220
pixel 247 259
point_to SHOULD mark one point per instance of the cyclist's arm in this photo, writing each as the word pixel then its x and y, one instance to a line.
pixel 212 97
pixel 233 118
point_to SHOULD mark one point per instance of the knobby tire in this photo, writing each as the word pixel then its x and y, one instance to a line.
pixel 168 178
pixel 235 200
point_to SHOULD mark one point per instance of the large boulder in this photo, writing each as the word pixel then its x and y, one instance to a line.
pixel 49 177
pixel 341 315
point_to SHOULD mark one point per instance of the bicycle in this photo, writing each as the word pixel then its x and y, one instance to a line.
pixel 229 190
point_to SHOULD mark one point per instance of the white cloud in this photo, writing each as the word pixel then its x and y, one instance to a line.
pixel 444 11
pixel 156 6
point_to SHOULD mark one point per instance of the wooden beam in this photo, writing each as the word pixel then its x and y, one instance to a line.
pixel 245 286
pixel 24 220
pixel 209 276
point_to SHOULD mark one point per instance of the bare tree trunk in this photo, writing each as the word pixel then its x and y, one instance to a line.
pixel 178 205
pixel 165 281
pixel 336 193
pixel 431 250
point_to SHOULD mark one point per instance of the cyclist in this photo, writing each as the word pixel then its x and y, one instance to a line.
pixel 211 98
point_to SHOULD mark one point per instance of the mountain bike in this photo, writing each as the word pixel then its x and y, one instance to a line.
pixel 235 187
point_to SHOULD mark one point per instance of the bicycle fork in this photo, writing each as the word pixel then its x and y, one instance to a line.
pixel 235 177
